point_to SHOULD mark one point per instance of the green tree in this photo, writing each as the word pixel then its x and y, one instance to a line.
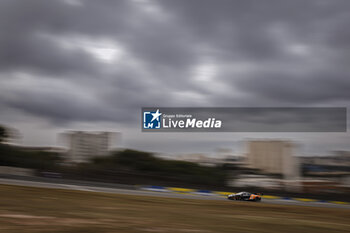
pixel 3 134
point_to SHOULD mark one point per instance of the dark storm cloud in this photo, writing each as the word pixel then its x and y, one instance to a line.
pixel 34 54
pixel 248 26
pixel 22 48
pixel 299 88
pixel 65 108
pixel 264 34
pixel 294 52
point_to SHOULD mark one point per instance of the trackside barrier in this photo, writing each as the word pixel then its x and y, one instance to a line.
pixel 271 197
pixel 204 192
pixel 305 199
pixel 181 190
pixel 224 194
pixel 155 188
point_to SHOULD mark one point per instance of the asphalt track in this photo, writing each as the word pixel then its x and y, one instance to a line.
pixel 154 193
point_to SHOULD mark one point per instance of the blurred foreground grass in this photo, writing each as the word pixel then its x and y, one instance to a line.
pixel 27 209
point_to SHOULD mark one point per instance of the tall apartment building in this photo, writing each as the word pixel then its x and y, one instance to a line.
pixel 85 145
pixel 273 157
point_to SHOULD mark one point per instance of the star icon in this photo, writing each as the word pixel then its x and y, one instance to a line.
pixel 156 115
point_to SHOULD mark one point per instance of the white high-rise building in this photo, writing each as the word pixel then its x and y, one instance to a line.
pixel 86 145
pixel 273 157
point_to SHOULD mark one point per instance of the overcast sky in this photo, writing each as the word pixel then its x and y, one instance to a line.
pixel 92 65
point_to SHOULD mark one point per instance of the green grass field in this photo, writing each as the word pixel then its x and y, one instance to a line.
pixel 27 209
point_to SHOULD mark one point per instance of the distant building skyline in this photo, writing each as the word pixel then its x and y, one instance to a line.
pixel 85 145
pixel 94 65
pixel 273 157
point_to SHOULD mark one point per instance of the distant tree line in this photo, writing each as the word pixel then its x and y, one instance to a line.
pixel 19 157
pixel 137 167
pixel 127 166
pixel 3 134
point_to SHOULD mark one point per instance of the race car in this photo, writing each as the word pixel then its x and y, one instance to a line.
pixel 245 196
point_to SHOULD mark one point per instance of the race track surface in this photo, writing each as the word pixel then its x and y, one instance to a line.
pixel 156 193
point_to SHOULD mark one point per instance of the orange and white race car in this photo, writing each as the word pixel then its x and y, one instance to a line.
pixel 245 196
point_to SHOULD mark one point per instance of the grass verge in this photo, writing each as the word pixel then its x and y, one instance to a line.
pixel 29 209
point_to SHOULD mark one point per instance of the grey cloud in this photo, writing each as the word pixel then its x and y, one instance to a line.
pixel 169 46
pixel 62 108
pixel 33 54
pixel 320 85
pixel 23 48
